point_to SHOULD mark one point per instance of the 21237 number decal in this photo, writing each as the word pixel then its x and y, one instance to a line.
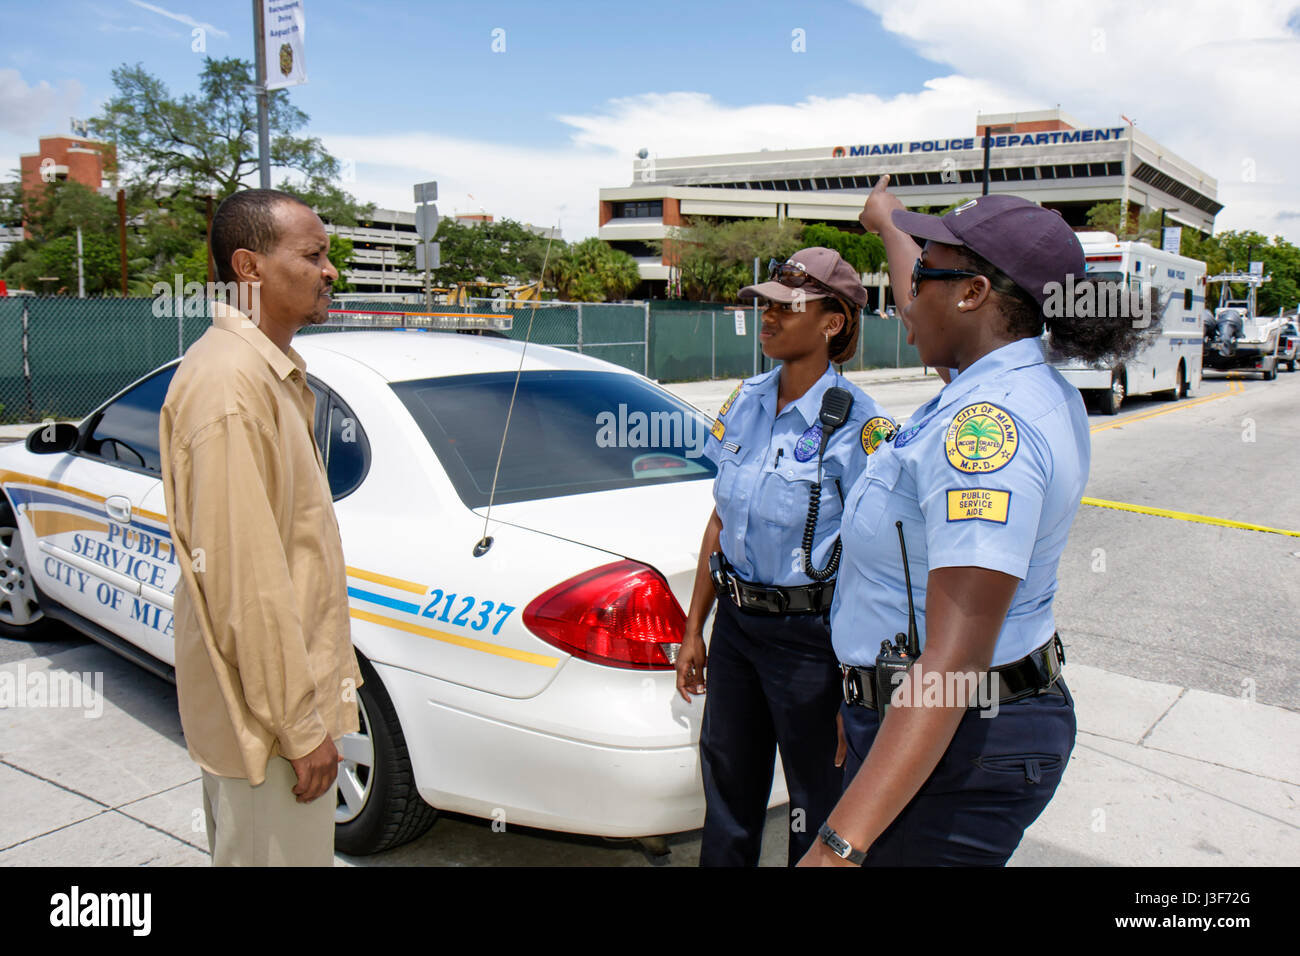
pixel 469 615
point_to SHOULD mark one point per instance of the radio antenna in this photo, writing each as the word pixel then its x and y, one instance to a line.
pixel 484 543
pixel 913 639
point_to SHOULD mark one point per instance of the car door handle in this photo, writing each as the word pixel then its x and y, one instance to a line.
pixel 118 508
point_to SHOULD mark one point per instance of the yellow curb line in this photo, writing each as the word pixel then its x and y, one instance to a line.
pixel 1185 516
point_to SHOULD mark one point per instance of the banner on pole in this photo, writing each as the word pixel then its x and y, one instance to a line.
pixel 285 28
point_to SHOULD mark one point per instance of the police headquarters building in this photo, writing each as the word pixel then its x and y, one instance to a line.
pixel 1045 156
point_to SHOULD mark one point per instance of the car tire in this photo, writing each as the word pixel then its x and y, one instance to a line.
pixel 386 809
pixel 20 610
pixel 1270 370
pixel 1109 401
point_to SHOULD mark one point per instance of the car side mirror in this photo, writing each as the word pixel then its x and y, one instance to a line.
pixel 53 437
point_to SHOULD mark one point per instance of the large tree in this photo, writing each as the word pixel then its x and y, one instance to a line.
pixel 593 271
pixel 715 259
pixel 207 142
pixel 501 251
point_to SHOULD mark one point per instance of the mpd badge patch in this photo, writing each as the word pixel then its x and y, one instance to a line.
pixel 726 406
pixel 982 438
pixel 718 430
pixel 808 443
pixel 984 504
pixel 875 431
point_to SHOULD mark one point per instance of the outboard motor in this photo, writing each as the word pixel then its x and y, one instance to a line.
pixel 1223 330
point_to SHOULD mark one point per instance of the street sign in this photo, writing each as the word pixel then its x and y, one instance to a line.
pixel 740 322
pixel 426 192
pixel 428 255
pixel 1172 240
pixel 1257 268
pixel 426 221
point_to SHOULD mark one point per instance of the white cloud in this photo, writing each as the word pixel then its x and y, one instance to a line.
pixel 1203 79
pixel 1214 82
pixel 30 110
pixel 547 187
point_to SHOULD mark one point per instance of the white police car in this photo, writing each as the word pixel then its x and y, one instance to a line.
pixel 533 680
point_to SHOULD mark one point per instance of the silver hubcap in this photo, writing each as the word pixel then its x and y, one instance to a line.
pixel 18 605
pixel 1117 389
pixel 356 772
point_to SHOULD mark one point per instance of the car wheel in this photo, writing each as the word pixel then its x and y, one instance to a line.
pixel 1180 389
pixel 1110 400
pixel 378 805
pixel 20 611
pixel 1270 370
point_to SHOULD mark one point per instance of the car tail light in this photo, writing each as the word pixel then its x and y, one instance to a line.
pixel 621 614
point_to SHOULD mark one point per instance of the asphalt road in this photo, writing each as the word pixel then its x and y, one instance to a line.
pixel 1177 601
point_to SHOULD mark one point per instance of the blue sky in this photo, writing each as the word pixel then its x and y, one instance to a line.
pixel 412 90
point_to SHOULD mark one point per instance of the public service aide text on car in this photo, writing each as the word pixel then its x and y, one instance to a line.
pixel 533 683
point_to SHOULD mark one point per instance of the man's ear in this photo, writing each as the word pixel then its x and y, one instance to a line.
pixel 246 265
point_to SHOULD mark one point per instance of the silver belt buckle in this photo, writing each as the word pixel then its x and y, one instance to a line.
pixel 733 588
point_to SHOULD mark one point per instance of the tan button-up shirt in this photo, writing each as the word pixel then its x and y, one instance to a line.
pixel 264 659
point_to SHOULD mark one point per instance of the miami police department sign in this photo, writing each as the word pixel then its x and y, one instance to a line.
pixel 1054 138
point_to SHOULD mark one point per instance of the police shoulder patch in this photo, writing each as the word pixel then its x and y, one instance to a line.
pixel 726 406
pixel 982 438
pixel 718 430
pixel 875 431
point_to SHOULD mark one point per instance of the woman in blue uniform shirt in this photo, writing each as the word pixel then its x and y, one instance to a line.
pixel 773 680
pixel 984 480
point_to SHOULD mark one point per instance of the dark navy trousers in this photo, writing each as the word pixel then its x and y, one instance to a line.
pixel 773 681
pixel 993 781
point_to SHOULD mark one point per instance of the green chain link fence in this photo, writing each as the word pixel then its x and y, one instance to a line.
pixel 61 357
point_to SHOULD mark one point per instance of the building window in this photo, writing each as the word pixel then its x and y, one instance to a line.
pixel 641 209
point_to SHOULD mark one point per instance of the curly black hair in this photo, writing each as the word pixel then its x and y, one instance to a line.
pixel 1105 329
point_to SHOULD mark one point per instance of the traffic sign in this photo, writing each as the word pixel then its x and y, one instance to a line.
pixel 428 255
pixel 426 221
pixel 426 192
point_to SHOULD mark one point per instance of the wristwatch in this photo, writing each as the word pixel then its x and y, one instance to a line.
pixel 840 846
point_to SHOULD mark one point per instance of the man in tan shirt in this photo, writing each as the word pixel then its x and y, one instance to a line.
pixel 265 671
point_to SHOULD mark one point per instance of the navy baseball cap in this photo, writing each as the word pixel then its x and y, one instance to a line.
pixel 1032 245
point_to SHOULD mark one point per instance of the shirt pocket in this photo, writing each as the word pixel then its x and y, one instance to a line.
pixel 724 486
pixel 871 494
pixel 784 493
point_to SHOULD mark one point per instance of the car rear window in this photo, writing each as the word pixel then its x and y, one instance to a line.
pixel 570 433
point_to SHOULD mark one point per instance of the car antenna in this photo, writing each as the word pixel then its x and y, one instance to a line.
pixel 485 542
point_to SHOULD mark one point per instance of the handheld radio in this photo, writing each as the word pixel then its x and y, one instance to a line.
pixel 836 404
pixel 896 658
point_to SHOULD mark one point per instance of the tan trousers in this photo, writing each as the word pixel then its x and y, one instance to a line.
pixel 266 825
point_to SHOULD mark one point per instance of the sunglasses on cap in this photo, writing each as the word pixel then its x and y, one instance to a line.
pixel 794 276
pixel 920 272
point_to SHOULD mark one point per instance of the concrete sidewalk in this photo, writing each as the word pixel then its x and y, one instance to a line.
pixel 1159 775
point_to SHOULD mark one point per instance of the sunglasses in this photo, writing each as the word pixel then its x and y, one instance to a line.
pixel 794 276
pixel 920 272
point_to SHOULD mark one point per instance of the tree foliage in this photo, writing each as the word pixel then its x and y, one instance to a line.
pixel 500 251
pixel 714 260
pixel 593 271
pixel 862 250
pixel 207 141
pixel 1104 217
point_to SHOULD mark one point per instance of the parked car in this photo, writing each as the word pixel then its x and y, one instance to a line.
pixel 517 666
pixel 1287 345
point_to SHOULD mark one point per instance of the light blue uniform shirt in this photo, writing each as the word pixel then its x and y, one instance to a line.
pixel 986 474
pixel 767 464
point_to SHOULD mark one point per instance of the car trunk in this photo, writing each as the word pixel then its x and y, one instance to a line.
pixel 659 525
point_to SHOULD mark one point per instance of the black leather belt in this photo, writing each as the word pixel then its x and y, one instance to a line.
pixel 1035 673
pixel 768 599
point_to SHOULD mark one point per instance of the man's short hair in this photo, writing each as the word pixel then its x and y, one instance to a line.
pixel 245 220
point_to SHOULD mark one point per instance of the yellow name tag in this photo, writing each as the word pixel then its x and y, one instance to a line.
pixel 967 504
